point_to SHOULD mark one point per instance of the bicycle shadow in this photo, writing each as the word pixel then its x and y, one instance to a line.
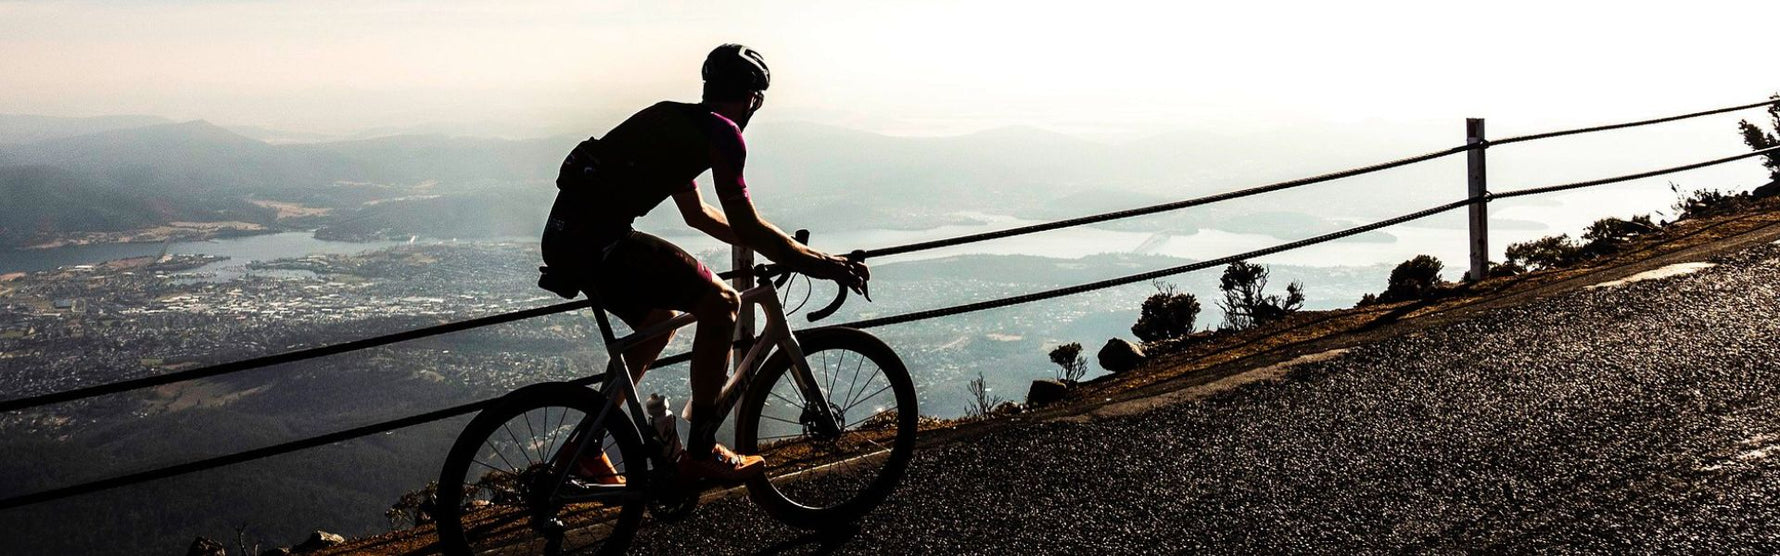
pixel 827 541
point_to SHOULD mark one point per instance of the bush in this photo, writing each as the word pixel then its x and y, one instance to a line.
pixel 1498 270
pixel 1166 314
pixel 1071 366
pixel 1546 252
pixel 1701 203
pixel 982 404
pixel 1416 278
pixel 1246 305
pixel 1618 230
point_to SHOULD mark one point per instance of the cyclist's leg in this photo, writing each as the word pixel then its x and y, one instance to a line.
pixel 716 312
pixel 639 356
pixel 645 275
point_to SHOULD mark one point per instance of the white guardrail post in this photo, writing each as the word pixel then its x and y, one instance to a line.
pixel 742 258
pixel 1480 219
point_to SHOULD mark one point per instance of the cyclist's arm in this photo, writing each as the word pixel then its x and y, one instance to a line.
pixel 703 217
pixel 728 155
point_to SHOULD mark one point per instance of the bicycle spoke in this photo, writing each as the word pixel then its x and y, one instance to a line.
pixel 825 372
pixel 785 421
pixel 862 400
pixel 516 442
pixel 495 469
pixel 866 418
pixel 497 453
pixel 796 404
pixel 532 435
pixel 854 382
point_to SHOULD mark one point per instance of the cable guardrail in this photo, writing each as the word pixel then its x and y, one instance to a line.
pixel 464 409
pixel 1551 134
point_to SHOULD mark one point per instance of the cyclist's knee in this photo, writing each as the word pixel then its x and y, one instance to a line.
pixel 720 304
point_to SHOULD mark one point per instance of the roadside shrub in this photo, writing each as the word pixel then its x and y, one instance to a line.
pixel 1546 252
pixel 1166 314
pixel 1071 366
pixel 413 509
pixel 1415 278
pixel 982 404
pixel 1702 203
pixel 1501 269
pixel 1616 229
pixel 1246 303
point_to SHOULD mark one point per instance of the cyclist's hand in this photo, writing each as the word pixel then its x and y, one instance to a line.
pixel 849 273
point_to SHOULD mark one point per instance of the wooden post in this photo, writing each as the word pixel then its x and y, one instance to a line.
pixel 742 258
pixel 1479 185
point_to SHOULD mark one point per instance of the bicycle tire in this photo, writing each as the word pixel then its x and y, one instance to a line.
pixel 807 506
pixel 504 523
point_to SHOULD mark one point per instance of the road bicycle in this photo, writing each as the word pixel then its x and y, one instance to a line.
pixel 832 410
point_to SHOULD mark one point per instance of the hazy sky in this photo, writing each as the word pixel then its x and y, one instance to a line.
pixel 907 67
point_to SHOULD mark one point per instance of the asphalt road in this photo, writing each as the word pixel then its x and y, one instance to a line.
pixel 1641 418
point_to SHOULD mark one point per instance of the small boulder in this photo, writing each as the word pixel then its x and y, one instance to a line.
pixel 319 540
pixel 206 547
pixel 1769 190
pixel 1044 391
pixel 1119 356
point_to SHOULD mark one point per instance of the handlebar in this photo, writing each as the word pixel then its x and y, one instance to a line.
pixel 779 275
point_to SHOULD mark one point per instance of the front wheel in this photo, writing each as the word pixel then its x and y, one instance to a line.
pixel 818 476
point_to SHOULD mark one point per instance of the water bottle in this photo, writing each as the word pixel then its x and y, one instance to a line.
pixel 666 426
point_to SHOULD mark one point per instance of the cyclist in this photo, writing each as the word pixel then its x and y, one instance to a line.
pixel 589 243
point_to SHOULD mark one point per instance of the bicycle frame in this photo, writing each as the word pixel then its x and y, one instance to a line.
pixel 621 390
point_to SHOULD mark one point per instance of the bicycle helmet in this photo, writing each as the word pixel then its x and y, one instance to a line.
pixel 736 67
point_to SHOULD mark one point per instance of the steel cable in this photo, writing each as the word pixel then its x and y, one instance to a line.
pixel 1551 134
pixel 1629 177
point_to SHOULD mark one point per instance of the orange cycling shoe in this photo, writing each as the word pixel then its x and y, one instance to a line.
pixel 598 471
pixel 721 465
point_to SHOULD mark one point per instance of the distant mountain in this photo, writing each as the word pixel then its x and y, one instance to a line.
pixel 20 128
pixel 463 161
pixel 188 158
pixel 42 199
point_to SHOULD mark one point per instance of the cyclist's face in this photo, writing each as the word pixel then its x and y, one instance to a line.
pixel 755 99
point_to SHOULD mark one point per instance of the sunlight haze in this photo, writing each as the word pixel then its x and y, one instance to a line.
pixel 908 68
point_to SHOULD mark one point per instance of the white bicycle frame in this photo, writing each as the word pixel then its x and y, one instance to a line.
pixel 621 389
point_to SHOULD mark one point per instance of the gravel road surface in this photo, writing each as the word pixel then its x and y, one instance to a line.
pixel 1637 418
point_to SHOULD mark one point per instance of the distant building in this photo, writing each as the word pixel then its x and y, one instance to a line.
pixel 62 304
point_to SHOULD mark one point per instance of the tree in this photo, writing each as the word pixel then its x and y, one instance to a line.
pixel 1415 278
pixel 1070 364
pixel 1246 305
pixel 1166 314
pixel 1759 139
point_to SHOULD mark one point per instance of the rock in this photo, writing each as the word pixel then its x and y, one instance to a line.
pixel 275 552
pixel 1769 190
pixel 206 547
pixel 1119 356
pixel 319 540
pixel 1044 391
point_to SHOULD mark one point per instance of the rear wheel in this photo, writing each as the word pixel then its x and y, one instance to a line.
pixel 815 477
pixel 494 491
